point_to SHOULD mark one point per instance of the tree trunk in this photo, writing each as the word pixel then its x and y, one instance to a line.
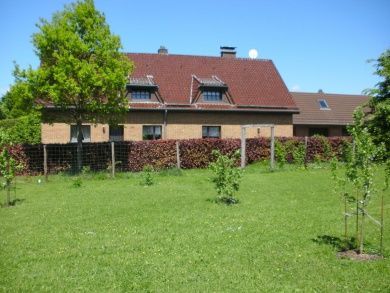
pixel 362 232
pixel 79 146
pixel 357 221
pixel 8 194
pixel 8 183
pixel 345 219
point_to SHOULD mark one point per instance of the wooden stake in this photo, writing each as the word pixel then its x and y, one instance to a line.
pixel 381 243
pixel 178 165
pixel 243 146
pixel 272 147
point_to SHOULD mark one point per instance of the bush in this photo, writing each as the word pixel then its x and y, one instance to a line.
pixel 147 176
pixel 25 129
pixel 226 176
pixel 280 154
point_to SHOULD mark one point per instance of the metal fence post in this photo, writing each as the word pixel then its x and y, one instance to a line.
pixel 112 159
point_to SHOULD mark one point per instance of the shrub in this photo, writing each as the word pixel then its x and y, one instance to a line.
pixel 147 176
pixel 280 154
pixel 77 182
pixel 226 176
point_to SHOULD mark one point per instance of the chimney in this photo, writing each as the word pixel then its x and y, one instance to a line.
pixel 228 52
pixel 162 50
pixel 320 91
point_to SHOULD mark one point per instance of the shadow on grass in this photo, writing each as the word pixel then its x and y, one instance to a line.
pixel 13 202
pixel 336 242
pixel 226 200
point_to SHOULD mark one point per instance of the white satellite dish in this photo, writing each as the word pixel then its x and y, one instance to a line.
pixel 253 53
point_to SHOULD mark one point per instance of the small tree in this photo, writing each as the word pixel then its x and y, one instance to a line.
pixel 147 175
pixel 82 70
pixel 8 165
pixel 226 176
pixel 360 171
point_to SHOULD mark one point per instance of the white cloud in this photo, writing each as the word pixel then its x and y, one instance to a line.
pixel 295 88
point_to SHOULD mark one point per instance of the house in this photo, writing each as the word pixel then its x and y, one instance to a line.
pixel 181 97
pixel 324 114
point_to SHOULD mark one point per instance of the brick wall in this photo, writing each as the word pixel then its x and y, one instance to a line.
pixel 179 125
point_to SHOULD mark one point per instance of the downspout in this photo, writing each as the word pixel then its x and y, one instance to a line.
pixel 165 124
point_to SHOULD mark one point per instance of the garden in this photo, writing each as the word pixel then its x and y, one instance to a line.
pixel 102 234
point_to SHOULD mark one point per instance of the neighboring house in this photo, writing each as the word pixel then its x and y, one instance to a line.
pixel 324 114
pixel 182 97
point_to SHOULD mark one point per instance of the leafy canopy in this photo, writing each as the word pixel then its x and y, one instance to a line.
pixel 379 121
pixel 81 67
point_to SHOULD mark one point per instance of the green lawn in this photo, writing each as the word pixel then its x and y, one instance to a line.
pixel 115 235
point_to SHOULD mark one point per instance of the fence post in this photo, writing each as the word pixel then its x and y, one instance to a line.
pixel 305 161
pixel 45 162
pixel 243 146
pixel 112 160
pixel 272 147
pixel 178 165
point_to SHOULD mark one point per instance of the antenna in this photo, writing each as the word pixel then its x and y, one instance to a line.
pixel 253 53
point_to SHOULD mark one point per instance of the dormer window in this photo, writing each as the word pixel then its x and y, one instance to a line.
pixel 142 89
pixel 140 95
pixel 212 96
pixel 323 104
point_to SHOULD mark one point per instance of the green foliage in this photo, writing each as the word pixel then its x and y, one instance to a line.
pixel 226 176
pixel 280 154
pixel 81 66
pixel 379 118
pixel 299 154
pixel 147 176
pixel 18 101
pixel 8 168
pixel 77 182
pixel 360 169
pixel 82 70
pixel 24 129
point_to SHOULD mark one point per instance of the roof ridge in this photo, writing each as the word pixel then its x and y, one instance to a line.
pixel 202 56
pixel 327 94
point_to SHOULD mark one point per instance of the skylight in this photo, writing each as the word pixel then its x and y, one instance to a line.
pixel 323 104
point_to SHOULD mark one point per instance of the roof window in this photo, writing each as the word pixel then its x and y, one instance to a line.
pixel 323 104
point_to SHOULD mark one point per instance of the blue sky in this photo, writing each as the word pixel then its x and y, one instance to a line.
pixel 314 44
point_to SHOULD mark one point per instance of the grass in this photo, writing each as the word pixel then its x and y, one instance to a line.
pixel 117 235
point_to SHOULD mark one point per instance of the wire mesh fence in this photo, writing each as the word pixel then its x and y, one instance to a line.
pixel 160 154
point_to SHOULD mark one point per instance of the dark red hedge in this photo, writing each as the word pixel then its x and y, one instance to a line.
pixel 161 154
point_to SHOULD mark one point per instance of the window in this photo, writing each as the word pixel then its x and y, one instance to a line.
pixel 116 133
pixel 323 104
pixel 151 132
pixel 318 131
pixel 86 131
pixel 212 96
pixel 140 95
pixel 211 131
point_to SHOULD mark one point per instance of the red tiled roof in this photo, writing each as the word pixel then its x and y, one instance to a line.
pixel 340 110
pixel 251 82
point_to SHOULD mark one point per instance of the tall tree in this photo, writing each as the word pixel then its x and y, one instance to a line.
pixel 81 67
pixel 379 118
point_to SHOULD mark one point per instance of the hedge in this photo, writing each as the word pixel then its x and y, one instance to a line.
pixel 161 154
